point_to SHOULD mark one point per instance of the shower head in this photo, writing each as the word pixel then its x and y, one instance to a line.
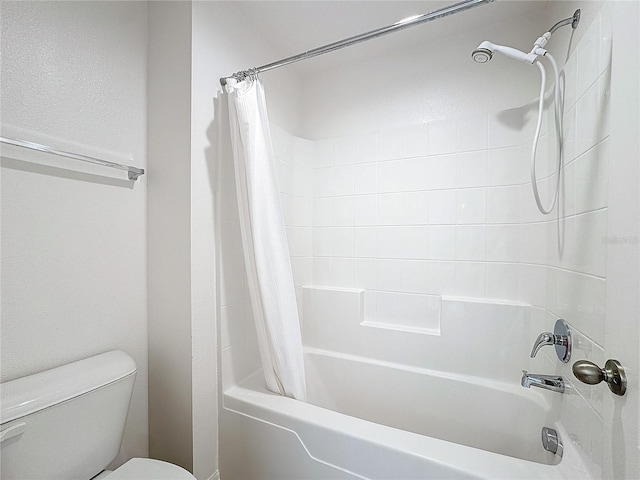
pixel 482 55
pixel 485 52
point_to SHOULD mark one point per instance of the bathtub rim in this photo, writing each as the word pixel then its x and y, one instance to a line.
pixel 251 399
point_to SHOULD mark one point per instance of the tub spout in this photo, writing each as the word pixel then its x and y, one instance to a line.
pixel 548 382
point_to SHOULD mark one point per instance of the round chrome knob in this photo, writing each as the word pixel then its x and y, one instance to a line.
pixel 612 373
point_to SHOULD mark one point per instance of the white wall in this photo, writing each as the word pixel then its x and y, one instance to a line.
pixel 74 237
pixel 169 272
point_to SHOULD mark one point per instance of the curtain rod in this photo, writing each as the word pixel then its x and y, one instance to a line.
pixel 400 25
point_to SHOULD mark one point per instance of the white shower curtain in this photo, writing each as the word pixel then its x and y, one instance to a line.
pixel 264 240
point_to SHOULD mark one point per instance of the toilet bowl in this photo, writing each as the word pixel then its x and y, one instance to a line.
pixel 146 468
pixel 80 407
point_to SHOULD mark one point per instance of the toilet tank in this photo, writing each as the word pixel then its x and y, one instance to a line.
pixel 67 422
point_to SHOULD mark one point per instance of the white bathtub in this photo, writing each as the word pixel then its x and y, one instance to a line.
pixel 376 420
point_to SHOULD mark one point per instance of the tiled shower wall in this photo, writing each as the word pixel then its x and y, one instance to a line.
pixel 445 208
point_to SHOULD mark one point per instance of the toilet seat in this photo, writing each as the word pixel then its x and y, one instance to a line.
pixel 149 469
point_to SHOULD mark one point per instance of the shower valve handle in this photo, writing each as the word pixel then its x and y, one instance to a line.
pixel 561 338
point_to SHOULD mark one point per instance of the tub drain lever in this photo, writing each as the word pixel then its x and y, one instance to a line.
pixel 551 441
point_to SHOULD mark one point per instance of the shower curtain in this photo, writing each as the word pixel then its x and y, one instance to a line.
pixel 264 240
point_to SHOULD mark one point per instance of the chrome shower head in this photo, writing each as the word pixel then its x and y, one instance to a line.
pixel 482 55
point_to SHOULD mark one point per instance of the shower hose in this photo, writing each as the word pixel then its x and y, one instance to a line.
pixel 559 133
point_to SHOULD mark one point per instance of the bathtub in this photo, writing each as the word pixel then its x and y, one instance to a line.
pixel 370 419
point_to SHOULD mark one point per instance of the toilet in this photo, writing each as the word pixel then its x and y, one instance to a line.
pixel 67 423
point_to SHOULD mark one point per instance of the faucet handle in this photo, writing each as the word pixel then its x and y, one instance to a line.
pixel 545 338
pixel 561 338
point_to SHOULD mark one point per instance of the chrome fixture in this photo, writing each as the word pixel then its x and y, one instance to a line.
pixel 132 172
pixel 560 338
pixel 554 383
pixel 612 373
pixel 551 441
pixel 399 25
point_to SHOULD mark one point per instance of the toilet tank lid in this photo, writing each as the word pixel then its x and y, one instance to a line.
pixel 27 395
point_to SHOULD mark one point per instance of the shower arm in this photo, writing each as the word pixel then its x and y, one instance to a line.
pixel 400 25
pixel 573 21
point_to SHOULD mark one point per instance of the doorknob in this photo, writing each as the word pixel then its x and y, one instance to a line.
pixel 612 373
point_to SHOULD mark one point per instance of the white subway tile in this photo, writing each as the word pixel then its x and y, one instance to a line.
pixel 414 242
pixel 507 166
pixel 506 128
pixel 502 281
pixel 471 169
pixel 567 198
pixel 364 273
pixel 390 209
pixel 472 133
pixel 533 243
pixel 442 207
pixel 591 179
pixel 413 276
pixel 470 279
pixel 606 36
pixel 343 180
pixel 389 275
pixel 565 244
pixel 503 204
pixel 365 241
pixel 588 56
pixel 441 172
pixel 302 271
pixel 581 302
pixel 415 174
pixel 415 208
pixel 442 137
pixel 322 186
pixel 343 212
pixel 365 178
pixel 441 278
pixel 389 242
pixel 591 243
pixel 390 177
pixel 471 242
pixel 302 181
pixel 503 243
pixel 604 105
pixel 322 271
pixel 322 242
pixel 342 272
pixel 587 119
pixel 322 212
pixel 532 284
pixel 415 141
pixel 569 134
pixel 570 82
pixel 442 243
pixel 471 206
pixel 366 210
pixel 302 209
pixel 342 244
